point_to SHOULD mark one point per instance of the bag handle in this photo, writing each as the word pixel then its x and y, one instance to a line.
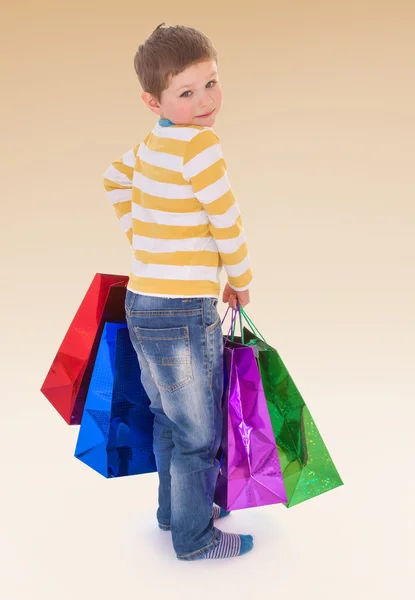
pixel 252 326
pixel 242 315
pixel 233 323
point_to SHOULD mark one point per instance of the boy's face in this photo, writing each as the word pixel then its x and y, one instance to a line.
pixel 194 97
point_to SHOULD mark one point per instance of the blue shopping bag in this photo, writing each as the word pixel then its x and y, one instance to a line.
pixel 116 433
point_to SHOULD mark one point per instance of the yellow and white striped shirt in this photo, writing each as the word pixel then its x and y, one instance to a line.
pixel 174 201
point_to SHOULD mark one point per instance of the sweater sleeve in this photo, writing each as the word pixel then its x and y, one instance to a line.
pixel 205 169
pixel 118 182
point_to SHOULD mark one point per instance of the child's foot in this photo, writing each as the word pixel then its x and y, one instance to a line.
pixel 218 513
pixel 230 545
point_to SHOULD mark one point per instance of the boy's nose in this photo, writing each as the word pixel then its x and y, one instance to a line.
pixel 205 101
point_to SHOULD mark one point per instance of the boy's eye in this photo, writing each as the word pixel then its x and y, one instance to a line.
pixel 184 95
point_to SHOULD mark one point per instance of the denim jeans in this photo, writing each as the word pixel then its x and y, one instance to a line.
pixel 179 346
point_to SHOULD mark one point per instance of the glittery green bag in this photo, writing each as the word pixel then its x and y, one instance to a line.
pixel 307 467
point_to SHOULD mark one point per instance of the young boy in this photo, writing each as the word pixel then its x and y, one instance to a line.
pixel 173 198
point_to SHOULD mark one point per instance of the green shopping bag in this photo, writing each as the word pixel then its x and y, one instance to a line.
pixel 307 467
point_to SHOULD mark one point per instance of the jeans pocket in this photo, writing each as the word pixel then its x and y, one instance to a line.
pixel 211 328
pixel 167 352
pixel 214 344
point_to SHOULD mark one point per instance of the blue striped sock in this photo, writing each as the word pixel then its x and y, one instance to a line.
pixel 230 545
pixel 219 513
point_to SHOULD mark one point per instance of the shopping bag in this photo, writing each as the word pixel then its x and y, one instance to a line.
pixel 307 466
pixel 250 472
pixel 116 433
pixel 67 381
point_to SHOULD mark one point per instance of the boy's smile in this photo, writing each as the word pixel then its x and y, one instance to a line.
pixel 206 115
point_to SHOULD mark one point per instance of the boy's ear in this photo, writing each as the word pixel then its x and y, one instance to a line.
pixel 151 102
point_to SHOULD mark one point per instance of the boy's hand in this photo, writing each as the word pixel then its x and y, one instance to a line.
pixel 233 296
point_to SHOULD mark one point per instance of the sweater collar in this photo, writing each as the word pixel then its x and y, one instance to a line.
pixel 165 122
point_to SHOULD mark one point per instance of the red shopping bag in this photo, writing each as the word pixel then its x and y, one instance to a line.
pixel 66 384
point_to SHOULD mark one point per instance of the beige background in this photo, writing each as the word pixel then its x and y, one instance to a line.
pixel 318 129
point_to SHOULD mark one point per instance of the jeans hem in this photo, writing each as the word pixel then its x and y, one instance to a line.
pixel 195 555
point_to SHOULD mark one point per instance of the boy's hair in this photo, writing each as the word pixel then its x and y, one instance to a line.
pixel 167 52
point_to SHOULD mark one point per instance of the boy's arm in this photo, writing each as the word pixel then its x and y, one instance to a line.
pixel 205 168
pixel 118 181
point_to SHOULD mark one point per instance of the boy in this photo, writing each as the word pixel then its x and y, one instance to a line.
pixel 173 198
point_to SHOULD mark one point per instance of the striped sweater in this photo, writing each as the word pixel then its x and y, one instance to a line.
pixel 172 196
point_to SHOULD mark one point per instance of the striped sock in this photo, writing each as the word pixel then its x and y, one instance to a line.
pixel 219 513
pixel 230 545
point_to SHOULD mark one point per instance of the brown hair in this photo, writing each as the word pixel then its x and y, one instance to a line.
pixel 169 51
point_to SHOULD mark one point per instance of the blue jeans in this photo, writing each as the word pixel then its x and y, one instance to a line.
pixel 179 347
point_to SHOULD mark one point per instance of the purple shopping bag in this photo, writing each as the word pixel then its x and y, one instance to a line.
pixel 250 473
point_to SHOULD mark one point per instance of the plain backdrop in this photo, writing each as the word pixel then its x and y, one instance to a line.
pixel 318 129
